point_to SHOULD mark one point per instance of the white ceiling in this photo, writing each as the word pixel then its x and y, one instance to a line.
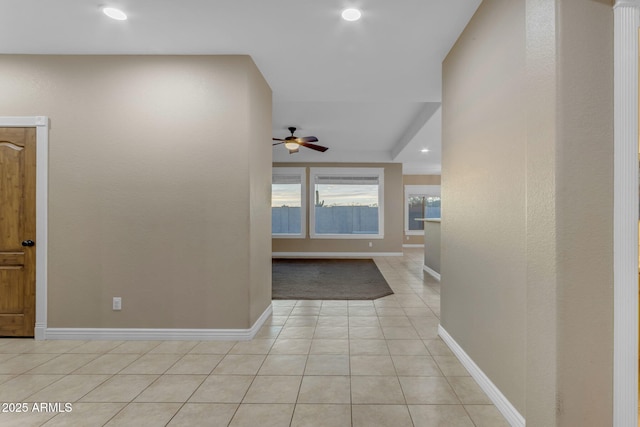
pixel 369 90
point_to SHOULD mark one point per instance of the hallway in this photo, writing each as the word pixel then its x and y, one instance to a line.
pixel 341 363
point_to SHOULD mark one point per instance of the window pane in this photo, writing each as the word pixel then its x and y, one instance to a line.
pixel 346 205
pixel 286 202
pixel 421 206
pixel 417 206
pixel 433 207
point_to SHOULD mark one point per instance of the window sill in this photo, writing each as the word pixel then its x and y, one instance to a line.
pixel 347 236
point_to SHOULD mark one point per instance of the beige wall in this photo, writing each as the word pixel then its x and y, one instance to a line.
pixel 483 192
pixel 156 186
pixel 421 179
pixel 527 182
pixel 432 238
pixel 584 212
pixel 417 180
pixel 393 216
pixel 259 98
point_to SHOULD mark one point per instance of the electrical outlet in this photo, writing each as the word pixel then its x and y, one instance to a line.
pixel 117 303
pixel 370 244
pixel 407 237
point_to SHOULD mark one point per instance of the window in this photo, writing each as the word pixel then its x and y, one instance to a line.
pixel 346 203
pixel 421 201
pixel 288 215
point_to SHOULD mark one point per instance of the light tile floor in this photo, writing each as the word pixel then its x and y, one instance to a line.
pixel 314 363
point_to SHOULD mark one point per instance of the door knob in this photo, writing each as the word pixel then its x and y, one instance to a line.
pixel 28 243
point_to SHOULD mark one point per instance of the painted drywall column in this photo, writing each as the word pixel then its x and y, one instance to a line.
pixel 584 197
pixel 625 366
pixel 259 154
pixel 541 247
pixel 569 221
pixel 528 137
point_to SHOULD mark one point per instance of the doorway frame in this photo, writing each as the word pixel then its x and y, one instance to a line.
pixel 625 215
pixel 41 123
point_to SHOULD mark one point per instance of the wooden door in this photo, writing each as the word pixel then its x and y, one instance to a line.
pixel 17 231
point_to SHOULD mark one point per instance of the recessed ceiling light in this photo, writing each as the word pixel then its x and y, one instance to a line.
pixel 351 14
pixel 424 150
pixel 114 13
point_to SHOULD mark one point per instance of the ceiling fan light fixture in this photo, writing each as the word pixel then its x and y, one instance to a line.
pixel 114 13
pixel 293 143
pixel 351 14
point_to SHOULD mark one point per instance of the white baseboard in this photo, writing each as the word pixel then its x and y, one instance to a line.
pixel 333 254
pixel 412 245
pixel 125 334
pixel 432 272
pixel 499 400
pixel 40 331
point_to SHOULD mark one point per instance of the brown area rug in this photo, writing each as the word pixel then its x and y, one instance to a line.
pixel 327 279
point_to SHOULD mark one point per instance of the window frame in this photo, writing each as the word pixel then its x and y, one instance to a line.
pixel 346 171
pixel 302 173
pixel 417 190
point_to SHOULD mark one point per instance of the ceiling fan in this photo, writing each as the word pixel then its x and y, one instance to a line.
pixel 293 143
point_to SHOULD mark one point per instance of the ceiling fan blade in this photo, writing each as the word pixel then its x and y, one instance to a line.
pixel 308 139
pixel 277 139
pixel 314 146
pixel 277 143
